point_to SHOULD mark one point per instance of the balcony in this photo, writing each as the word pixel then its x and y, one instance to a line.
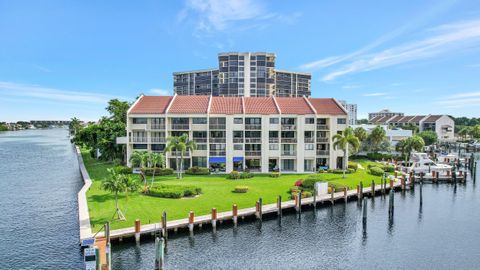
pixel 322 127
pixel 157 126
pixel 139 139
pixel 309 140
pixel 217 140
pixel 289 127
pixel 253 153
pixel 200 140
pixel 217 126
pixel 322 140
pixel 289 140
pixel 253 126
pixel 179 153
pixel 237 140
pixel 180 126
pixel 273 140
pixel 253 140
pixel 289 153
pixel 323 152
pixel 157 140
pixel 216 153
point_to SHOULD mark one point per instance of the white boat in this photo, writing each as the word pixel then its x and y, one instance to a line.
pixel 90 258
pixel 446 158
pixel 421 163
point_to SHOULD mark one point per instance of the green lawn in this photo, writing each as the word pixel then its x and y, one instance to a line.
pixel 216 192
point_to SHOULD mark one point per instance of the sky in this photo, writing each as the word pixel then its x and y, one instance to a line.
pixel 60 59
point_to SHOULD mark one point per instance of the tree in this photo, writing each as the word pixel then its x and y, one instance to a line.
pixel 118 110
pixel 115 183
pixel 464 132
pixel 475 132
pixel 74 126
pixel 154 160
pixel 180 144
pixel 344 141
pixel 376 138
pixel 142 159
pixel 411 127
pixel 429 137
pixel 361 134
pixel 406 146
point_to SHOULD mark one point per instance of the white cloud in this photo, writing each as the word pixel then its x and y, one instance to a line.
pixel 160 92
pixel 374 94
pixel 466 99
pixel 445 38
pixel 35 91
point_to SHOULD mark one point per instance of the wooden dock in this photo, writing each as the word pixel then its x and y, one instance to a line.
pixel 174 225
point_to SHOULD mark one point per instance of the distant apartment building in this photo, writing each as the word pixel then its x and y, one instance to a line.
pixel 384 113
pixel 393 135
pixel 261 134
pixel 443 125
pixel 243 74
pixel 352 112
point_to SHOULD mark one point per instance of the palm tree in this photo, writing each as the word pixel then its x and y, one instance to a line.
pixel 141 158
pixel 115 183
pixel 376 137
pixel 361 134
pixel 406 146
pixel 180 144
pixel 154 160
pixel 343 141
pixel 464 132
pixel 74 126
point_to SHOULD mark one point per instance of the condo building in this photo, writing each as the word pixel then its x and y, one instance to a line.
pixel 243 74
pixel 352 111
pixel 384 113
pixel 261 134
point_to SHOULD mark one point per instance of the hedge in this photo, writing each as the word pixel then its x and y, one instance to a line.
pixel 240 189
pixel 237 175
pixel 158 171
pixel 195 170
pixel 275 174
pixel 123 169
pixel 338 171
pixel 174 191
pixel 353 165
pixel 377 171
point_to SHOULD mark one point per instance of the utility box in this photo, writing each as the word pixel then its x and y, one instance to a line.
pixel 321 188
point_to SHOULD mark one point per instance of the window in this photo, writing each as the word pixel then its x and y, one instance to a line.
pixel 274 120
pixel 238 147
pixel 238 120
pixel 201 147
pixel 199 161
pixel 309 146
pixel 273 146
pixel 139 120
pixel 309 120
pixel 139 146
pixel 341 121
pixel 199 120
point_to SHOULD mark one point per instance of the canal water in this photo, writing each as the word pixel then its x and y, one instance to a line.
pixel 433 227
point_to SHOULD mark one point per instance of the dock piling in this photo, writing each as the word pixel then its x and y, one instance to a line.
pixel 159 253
pixel 345 195
pixel 164 226
pixel 214 218
pixel 364 216
pixel 332 196
pixel 279 206
pixel 137 230
pixel 299 206
pixel 191 219
pixel 373 189
pixel 235 214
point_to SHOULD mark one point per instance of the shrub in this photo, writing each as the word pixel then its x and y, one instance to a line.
pixel 123 169
pixel 158 171
pixel 174 191
pixel 376 171
pixel 275 174
pixel 370 165
pixel 198 170
pixel 117 162
pixel 353 165
pixel 234 175
pixel 298 182
pixel 306 194
pixel 336 187
pixel 245 175
pixel 389 168
pixel 378 156
pixel 338 171
pixel 309 183
pixel 240 189
pixel 294 189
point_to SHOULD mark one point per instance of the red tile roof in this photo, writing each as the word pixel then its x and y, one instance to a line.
pixel 226 105
pixel 151 104
pixel 293 105
pixel 326 106
pixel 260 105
pixel 189 104
pixel 433 118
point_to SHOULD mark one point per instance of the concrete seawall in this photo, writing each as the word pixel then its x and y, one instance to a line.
pixel 83 215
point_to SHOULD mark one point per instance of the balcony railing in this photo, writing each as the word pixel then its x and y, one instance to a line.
pixel 253 153
pixel 157 126
pixel 289 153
pixel 200 140
pixel 139 139
pixel 309 140
pixel 273 140
pixel 181 126
pixel 179 153
pixel 322 127
pixel 217 126
pixel 253 140
pixel 289 127
pixel 323 152
pixel 157 139
pixel 217 153
pixel 237 140
pixel 289 140
pixel 217 140
pixel 322 139
pixel 253 126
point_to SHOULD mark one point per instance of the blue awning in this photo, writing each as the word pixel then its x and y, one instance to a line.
pixel 217 160
pixel 237 159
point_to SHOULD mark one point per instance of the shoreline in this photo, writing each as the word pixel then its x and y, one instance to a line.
pixel 83 214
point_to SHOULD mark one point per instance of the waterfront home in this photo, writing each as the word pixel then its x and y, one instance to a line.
pixel 393 135
pixel 261 134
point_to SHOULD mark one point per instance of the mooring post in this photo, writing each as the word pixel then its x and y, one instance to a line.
pixel 364 216
pixel 314 196
pixel 164 226
pixel 332 199
pixel 373 188
pixel 98 263
pixel 359 196
pixel 279 206
pixel 159 253
pixel 345 195
pixel 235 214
pixel 402 182
pixel 361 190
pixel 299 209
pixel 108 249
pixel 191 219
pixel 214 218
pixel 137 230
pixel 391 185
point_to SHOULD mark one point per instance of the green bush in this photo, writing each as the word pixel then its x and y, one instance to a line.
pixel 123 169
pixel 294 189
pixel 275 174
pixel 306 194
pixel 174 191
pixel 245 175
pixel 309 183
pixel 241 189
pixel 379 156
pixel 337 187
pixel 158 171
pixel 389 168
pixel 377 171
pixel 353 165
pixel 338 171
pixel 234 175
pixel 195 170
